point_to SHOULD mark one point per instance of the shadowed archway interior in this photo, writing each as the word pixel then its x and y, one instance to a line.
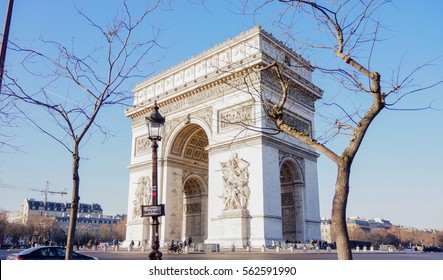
pixel 189 148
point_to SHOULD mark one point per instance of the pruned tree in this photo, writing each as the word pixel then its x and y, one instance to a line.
pixel 349 32
pixel 99 78
pixel 16 231
pixel 105 232
pixel 119 229
pixel 356 233
pixel 41 228
pixel 3 222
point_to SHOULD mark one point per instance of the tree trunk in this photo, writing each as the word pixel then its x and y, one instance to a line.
pixel 339 209
pixel 74 205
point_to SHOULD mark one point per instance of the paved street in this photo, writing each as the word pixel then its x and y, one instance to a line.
pixel 122 255
pixel 267 256
pixel 255 255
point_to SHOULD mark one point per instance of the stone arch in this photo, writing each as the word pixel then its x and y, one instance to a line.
pixel 190 144
pixel 292 200
pixel 295 169
pixel 187 162
pixel 183 127
pixel 195 201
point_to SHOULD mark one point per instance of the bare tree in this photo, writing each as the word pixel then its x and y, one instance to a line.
pixel 3 222
pixel 356 233
pixel 119 229
pixel 7 124
pixel 98 77
pixel 352 28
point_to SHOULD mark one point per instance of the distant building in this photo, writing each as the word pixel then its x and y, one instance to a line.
pixel 92 224
pixel 58 209
pixel 368 224
pixel 89 215
pixel 365 224
pixel 14 216
pixel 379 223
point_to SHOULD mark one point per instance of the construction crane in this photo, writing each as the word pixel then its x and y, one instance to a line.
pixel 44 191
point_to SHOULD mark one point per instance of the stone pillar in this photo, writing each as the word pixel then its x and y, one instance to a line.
pixel 235 224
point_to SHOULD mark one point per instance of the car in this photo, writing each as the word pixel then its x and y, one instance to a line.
pixel 21 246
pixel 47 253
pixel 433 249
pixel 5 246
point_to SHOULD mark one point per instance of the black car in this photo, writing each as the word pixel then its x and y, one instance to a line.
pixel 5 246
pixel 46 253
pixel 433 249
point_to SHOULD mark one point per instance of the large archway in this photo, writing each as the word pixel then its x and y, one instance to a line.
pixel 195 211
pixel 292 200
pixel 188 151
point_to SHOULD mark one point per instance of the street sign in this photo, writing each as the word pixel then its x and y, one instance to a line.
pixel 153 210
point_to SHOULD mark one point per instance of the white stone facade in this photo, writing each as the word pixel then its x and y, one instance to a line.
pixel 221 182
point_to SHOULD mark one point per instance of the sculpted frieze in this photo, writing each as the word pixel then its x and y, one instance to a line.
pixel 296 92
pixel 236 189
pixel 142 196
pixel 142 145
pixel 297 123
pixel 243 115
pixel 138 121
pixel 193 99
pixel 300 125
pixel 197 97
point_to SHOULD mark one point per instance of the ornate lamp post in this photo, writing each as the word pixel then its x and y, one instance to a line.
pixel 155 122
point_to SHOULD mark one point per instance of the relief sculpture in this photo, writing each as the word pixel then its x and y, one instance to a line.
pixel 142 195
pixel 236 191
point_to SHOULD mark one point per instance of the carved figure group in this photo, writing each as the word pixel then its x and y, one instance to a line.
pixel 142 195
pixel 236 191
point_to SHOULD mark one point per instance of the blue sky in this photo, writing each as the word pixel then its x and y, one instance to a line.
pixel 398 173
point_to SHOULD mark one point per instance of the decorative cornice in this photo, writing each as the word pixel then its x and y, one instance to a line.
pixel 137 111
pixel 215 65
pixel 205 54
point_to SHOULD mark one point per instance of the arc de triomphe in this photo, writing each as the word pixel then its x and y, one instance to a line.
pixel 221 182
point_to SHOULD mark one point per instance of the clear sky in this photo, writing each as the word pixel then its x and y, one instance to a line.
pixel 398 174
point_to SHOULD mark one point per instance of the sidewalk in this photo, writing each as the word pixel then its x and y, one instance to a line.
pixel 235 250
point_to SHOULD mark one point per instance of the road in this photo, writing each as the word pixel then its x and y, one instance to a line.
pixel 255 255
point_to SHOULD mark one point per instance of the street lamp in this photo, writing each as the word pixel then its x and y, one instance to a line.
pixel 155 122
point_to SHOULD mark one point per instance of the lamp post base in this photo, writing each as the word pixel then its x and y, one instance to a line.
pixel 155 255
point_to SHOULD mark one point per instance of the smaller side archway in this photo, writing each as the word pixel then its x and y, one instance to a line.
pixel 195 205
pixel 292 201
